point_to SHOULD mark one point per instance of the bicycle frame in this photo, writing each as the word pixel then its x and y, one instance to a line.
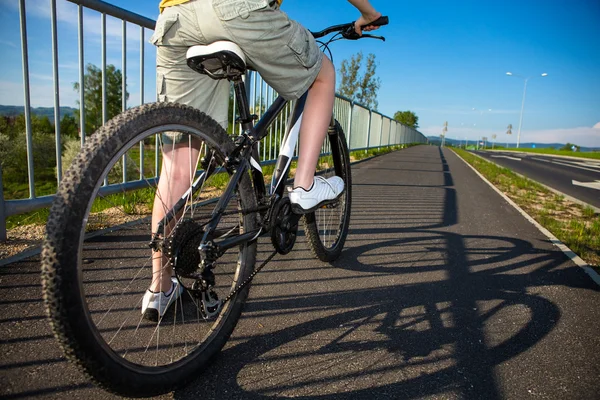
pixel 243 157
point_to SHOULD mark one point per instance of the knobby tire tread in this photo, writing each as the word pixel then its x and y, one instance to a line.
pixel 60 278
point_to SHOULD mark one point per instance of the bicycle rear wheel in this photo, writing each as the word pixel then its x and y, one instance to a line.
pixel 96 263
pixel 327 227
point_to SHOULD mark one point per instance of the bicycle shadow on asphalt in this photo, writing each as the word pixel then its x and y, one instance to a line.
pixel 401 341
pixel 431 319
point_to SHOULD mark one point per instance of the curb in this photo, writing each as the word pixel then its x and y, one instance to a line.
pixel 553 239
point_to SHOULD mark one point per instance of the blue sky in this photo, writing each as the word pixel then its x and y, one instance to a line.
pixel 445 61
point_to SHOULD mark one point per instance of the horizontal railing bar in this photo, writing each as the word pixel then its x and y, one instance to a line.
pixel 14 207
pixel 116 12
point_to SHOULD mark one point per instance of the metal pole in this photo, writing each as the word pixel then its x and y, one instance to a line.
pixel 124 87
pixel 368 131
pixel 103 56
pixel 142 155
pixel 350 125
pixel 381 132
pixel 58 143
pixel 390 133
pixel 81 77
pixel 141 65
pixel 28 135
pixel 104 110
pixel 521 117
pixel 2 211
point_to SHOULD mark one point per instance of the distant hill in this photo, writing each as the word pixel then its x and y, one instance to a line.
pixel 39 111
pixel 453 142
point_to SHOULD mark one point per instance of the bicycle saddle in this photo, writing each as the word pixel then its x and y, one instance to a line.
pixel 219 60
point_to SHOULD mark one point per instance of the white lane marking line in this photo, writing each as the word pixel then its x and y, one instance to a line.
pixel 553 239
pixel 510 158
pixel 592 185
pixel 588 164
pixel 574 166
pixel 540 159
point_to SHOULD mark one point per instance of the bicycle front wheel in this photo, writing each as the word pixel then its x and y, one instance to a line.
pixel 326 228
pixel 97 265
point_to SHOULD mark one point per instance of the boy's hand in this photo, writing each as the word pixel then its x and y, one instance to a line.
pixel 365 20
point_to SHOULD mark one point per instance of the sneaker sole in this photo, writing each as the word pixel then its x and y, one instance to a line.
pixel 297 209
pixel 151 314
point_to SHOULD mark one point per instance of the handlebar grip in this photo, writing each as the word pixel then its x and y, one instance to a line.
pixel 383 20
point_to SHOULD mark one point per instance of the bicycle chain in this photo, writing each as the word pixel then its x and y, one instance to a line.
pixel 249 279
pixel 256 270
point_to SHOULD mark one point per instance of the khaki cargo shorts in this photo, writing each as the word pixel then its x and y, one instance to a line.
pixel 281 50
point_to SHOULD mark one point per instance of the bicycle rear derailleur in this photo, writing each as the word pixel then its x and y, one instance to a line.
pixel 182 249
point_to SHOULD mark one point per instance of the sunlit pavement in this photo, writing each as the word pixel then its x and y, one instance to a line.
pixel 443 291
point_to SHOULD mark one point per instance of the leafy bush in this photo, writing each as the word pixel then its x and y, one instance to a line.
pixel 13 152
pixel 71 149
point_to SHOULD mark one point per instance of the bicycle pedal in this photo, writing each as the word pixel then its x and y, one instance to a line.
pixel 330 205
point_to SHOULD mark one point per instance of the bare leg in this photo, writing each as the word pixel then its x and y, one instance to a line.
pixel 178 168
pixel 316 119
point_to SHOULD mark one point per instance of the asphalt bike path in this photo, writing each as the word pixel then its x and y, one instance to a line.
pixel 443 291
pixel 575 177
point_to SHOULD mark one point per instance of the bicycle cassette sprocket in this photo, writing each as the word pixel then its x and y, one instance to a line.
pixel 182 247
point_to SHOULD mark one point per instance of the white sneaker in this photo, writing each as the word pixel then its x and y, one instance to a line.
pixel 155 305
pixel 322 190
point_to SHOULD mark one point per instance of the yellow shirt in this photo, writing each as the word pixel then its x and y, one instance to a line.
pixel 168 3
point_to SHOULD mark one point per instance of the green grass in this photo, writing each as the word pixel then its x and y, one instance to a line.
pixel 576 226
pixel 591 154
pixel 128 201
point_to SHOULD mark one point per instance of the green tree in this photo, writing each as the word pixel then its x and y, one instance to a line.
pixel 68 126
pixel 38 125
pixel 408 118
pixel 358 82
pixel 6 126
pixel 569 147
pixel 92 95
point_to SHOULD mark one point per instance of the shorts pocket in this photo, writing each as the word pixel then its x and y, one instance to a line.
pixel 303 45
pixel 229 9
pixel 164 23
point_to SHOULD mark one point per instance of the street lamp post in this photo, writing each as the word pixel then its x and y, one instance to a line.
pixel 523 102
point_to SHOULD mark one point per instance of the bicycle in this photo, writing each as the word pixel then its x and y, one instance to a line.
pixel 209 236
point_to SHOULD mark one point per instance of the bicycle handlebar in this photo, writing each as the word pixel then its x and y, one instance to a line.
pixel 348 31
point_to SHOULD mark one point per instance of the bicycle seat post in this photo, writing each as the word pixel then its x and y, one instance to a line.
pixel 240 94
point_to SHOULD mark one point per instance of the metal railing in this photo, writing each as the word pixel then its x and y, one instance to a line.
pixel 365 129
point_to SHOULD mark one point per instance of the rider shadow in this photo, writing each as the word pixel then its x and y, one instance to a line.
pixel 409 310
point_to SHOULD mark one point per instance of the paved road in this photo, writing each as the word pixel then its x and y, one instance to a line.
pixel 579 178
pixel 444 292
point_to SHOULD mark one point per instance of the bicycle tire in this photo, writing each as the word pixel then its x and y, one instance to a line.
pixel 326 228
pixel 71 273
